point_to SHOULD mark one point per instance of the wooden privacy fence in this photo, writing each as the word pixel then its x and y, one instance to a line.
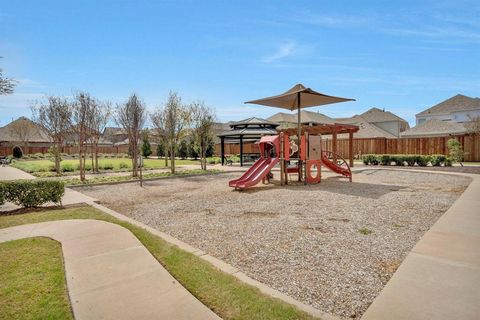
pixel 431 145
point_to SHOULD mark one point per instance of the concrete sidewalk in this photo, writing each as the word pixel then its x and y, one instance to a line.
pixel 440 277
pixel 111 275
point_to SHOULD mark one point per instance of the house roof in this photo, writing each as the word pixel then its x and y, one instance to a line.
pixel 378 115
pixel 111 131
pixel 306 117
pixel 366 129
pixel 23 129
pixel 435 127
pixel 453 104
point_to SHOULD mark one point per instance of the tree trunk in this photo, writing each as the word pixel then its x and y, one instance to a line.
pixel 57 157
pixel 203 155
pixel 133 150
pixel 93 156
pixel 172 159
pixel 96 156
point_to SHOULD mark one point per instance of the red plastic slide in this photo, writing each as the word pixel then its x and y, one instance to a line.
pixel 255 174
pixel 341 167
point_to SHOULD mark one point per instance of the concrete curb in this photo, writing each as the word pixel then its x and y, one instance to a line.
pixel 221 265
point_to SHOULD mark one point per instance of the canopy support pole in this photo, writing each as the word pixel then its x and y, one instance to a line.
pixel 299 134
pixel 350 148
pixel 282 160
pixel 241 150
pixel 334 145
pixel 222 149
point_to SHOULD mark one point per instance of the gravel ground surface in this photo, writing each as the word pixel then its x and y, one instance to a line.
pixel 333 245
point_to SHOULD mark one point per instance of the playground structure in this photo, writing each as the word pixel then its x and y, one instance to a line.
pixel 308 157
pixel 308 150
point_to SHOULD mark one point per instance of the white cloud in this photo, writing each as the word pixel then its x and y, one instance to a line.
pixel 284 50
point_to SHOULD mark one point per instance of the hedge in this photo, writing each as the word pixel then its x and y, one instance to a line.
pixel 31 193
pixel 435 160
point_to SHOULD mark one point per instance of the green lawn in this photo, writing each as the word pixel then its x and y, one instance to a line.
pixel 224 294
pixel 32 280
pixel 45 165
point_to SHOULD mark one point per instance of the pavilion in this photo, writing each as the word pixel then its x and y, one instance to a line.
pixel 247 130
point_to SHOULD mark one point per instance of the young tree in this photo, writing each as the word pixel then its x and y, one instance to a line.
pixel 455 151
pixel 173 117
pixel 203 120
pixel 158 120
pixel 131 116
pixel 54 115
pixel 6 84
pixel 146 147
pixel 83 111
pixel 101 114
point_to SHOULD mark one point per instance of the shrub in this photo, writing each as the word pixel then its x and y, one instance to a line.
pixel 437 160
pixel 123 165
pixel 410 159
pixel 370 159
pixel 422 161
pixel 448 162
pixel 106 166
pixel 365 160
pixel 2 193
pixel 399 159
pixel 214 160
pixel 32 193
pixel 67 167
pixel 88 166
pixel 385 160
pixel 47 168
pixel 455 151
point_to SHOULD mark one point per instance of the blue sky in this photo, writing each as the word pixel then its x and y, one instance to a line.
pixel 403 56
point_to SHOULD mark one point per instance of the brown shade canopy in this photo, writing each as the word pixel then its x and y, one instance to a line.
pixel 299 97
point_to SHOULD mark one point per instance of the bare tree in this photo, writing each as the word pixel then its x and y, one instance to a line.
pixel 131 116
pixel 6 84
pixel 83 110
pixel 158 121
pixel 473 126
pixel 54 116
pixel 203 120
pixel 175 117
pixel 100 116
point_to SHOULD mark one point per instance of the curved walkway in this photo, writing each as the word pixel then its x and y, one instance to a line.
pixel 111 275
